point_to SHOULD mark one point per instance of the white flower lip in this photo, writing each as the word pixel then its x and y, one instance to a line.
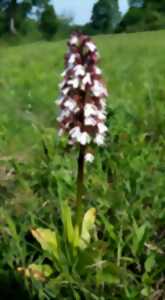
pixel 89 157
pixel 75 133
pixel 74 40
pixel 72 59
pixel 98 89
pixel 62 84
pixel 64 114
pixel 63 74
pixel 65 90
pixel 79 70
pixel 103 103
pixel 90 121
pixel 91 46
pixel 89 110
pixel 86 80
pixel 99 140
pixel 70 104
pixel 84 138
pixel 61 132
pixel 98 71
pixel 74 82
pixel 102 128
pixel 101 115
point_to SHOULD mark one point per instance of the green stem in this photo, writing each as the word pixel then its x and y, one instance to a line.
pixel 80 183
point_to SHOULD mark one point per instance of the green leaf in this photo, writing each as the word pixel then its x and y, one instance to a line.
pixel 48 240
pixel 67 222
pixel 87 225
pixel 109 274
pixel 76 236
pixel 139 237
pixel 146 292
pixel 149 263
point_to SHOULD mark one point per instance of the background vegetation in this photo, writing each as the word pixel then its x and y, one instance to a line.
pixel 33 20
pixel 143 15
pixel 125 183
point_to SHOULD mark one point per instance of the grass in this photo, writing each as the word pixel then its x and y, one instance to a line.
pixel 126 182
pixel 29 78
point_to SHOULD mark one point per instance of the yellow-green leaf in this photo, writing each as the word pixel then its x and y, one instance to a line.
pixel 87 225
pixel 149 263
pixel 48 240
pixel 38 272
pixel 76 241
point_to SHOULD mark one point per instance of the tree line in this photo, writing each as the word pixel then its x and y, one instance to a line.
pixel 19 17
pixel 143 15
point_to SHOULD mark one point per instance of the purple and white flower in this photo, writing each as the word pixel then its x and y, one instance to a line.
pixel 83 95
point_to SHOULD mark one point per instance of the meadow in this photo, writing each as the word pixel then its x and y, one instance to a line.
pixel 125 183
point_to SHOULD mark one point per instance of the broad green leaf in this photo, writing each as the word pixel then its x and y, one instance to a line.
pixel 48 240
pixel 67 222
pixel 87 225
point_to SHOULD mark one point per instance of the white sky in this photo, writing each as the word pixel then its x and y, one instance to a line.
pixel 80 10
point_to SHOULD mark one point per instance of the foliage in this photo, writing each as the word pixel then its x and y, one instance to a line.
pixel 136 3
pixel 125 183
pixel 65 251
pixel 105 15
pixel 48 21
pixel 132 21
pixel 14 14
pixel 143 15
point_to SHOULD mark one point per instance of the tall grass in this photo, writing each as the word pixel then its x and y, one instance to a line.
pixel 126 182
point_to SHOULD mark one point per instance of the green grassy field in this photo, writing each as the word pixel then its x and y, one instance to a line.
pixel 125 183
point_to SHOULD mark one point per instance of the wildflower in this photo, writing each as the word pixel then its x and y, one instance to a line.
pixel 99 140
pixel 70 104
pixel 79 70
pixel 91 46
pixel 84 138
pixel 89 157
pixel 83 94
pixel 90 109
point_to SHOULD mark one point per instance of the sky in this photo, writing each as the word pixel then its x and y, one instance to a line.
pixel 80 10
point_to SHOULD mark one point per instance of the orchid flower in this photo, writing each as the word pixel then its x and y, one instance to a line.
pixel 83 99
pixel 83 94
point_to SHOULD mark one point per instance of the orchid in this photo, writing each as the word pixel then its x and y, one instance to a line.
pixel 89 157
pixel 83 93
pixel 82 102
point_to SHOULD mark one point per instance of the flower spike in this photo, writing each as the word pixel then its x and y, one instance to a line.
pixel 83 93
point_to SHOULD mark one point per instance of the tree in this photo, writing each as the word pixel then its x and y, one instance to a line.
pixel 132 21
pixel 49 21
pixel 143 15
pixel 155 5
pixel 105 15
pixel 136 3
pixel 15 12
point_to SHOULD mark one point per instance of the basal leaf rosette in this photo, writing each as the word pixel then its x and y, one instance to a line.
pixel 83 95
